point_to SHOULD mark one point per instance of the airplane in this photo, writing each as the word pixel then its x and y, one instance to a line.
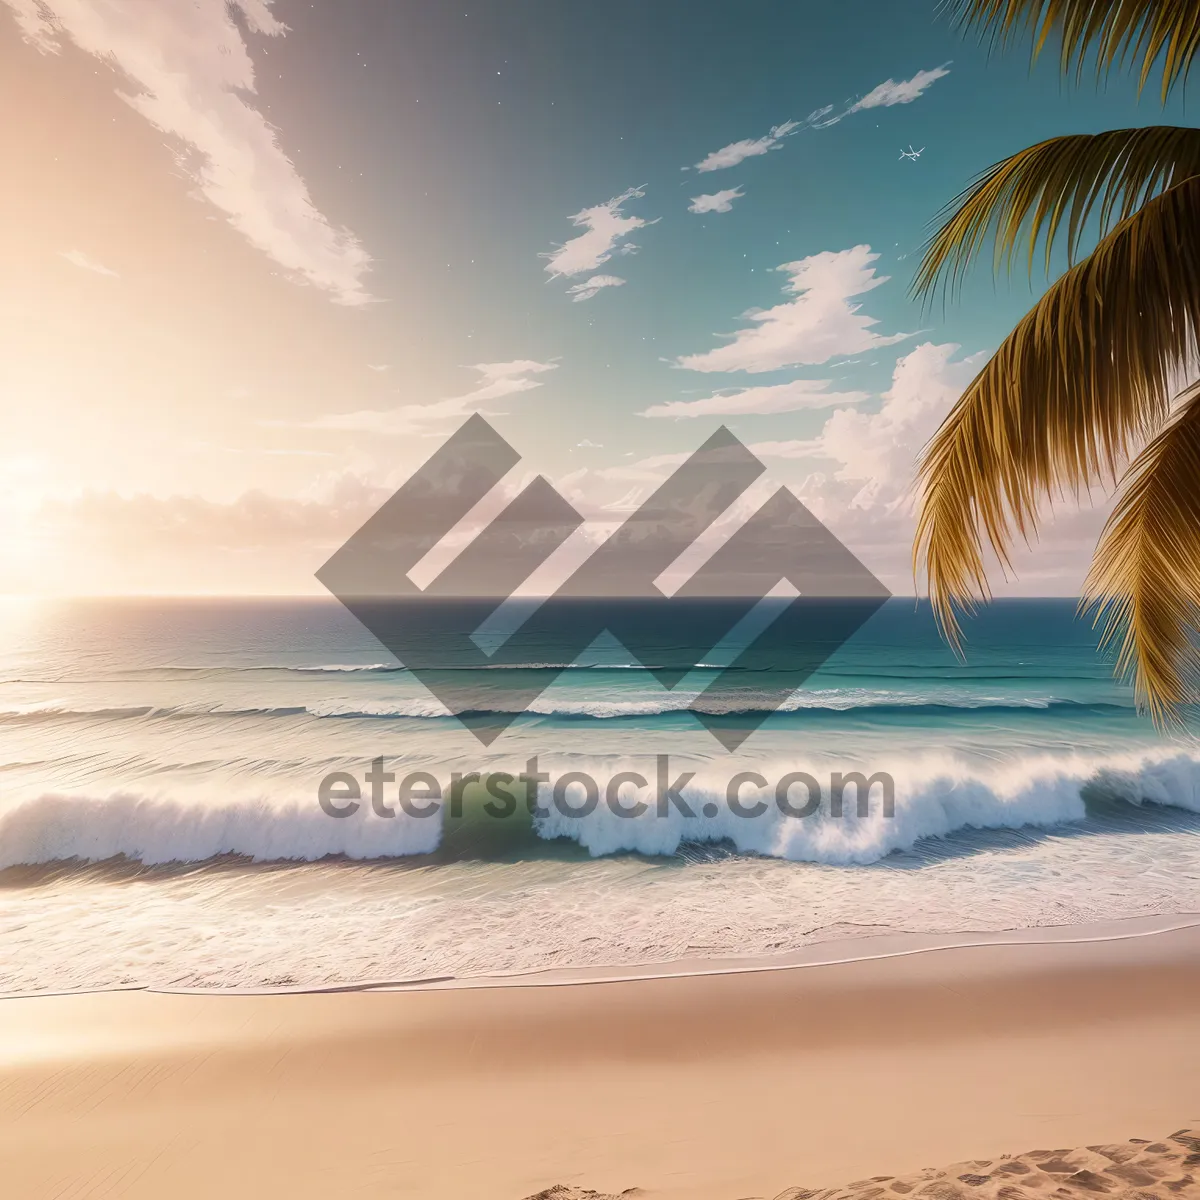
pixel 911 153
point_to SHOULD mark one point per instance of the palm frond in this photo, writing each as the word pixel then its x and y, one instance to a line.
pixel 1118 31
pixel 1144 585
pixel 1062 181
pixel 1086 373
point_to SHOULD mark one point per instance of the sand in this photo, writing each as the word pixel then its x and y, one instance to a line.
pixel 1138 1169
pixel 715 1087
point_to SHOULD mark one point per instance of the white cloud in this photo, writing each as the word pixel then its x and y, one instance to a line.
pixel 192 74
pixel 716 202
pixel 905 91
pixel 589 287
pixel 79 259
pixel 796 448
pixel 880 449
pixel 867 496
pixel 775 398
pixel 819 324
pixel 605 228
pixel 496 381
pixel 738 152
pixel 379 366
pixel 820 118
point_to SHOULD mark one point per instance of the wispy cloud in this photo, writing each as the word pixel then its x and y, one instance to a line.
pixel 79 259
pixel 819 324
pixel 889 92
pixel 645 470
pixel 716 202
pixel 497 380
pixel 589 287
pixel 738 152
pixel 283 453
pixel 192 77
pixel 379 367
pixel 775 398
pixel 904 91
pixel 605 228
pixel 796 448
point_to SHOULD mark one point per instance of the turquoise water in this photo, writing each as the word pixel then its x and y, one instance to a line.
pixel 160 763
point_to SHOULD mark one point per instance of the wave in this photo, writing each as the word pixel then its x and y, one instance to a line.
pixel 427 707
pixel 804 702
pixel 395 668
pixel 934 798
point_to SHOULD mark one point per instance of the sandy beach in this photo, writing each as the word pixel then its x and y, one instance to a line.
pixel 713 1087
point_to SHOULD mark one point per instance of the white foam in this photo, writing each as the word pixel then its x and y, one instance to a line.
pixel 156 829
pixel 934 797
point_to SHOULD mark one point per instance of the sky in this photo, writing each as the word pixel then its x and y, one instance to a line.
pixel 261 259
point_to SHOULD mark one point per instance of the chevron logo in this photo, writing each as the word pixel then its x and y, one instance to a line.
pixel 781 566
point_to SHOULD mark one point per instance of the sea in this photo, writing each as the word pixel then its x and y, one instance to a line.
pixel 185 800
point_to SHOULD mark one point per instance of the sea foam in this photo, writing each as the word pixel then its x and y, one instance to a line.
pixel 935 796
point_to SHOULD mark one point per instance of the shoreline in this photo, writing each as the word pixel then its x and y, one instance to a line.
pixel 705 1087
pixel 876 947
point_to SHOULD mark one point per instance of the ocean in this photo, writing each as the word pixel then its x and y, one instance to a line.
pixel 161 821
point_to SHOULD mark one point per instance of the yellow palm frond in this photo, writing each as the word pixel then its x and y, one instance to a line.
pixel 1087 372
pixel 1065 179
pixel 1119 31
pixel 1145 581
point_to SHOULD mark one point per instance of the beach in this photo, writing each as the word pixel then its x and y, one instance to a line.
pixel 210 985
pixel 706 1086
pixel 518 683
pixel 161 821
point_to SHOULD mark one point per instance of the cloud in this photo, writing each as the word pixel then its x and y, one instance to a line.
pixel 496 381
pixel 880 449
pixel 277 453
pixel 738 152
pixel 79 259
pixel 867 494
pixel 796 448
pixel 252 519
pixel 821 118
pixel 192 76
pixel 379 366
pixel 905 91
pixel 716 202
pixel 257 543
pixel 589 287
pixel 776 398
pixel 819 324
pixel 605 228
pixel 645 470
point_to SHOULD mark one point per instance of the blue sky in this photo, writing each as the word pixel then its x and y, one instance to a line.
pixel 218 292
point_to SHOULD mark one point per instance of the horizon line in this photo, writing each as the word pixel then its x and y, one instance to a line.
pixel 30 596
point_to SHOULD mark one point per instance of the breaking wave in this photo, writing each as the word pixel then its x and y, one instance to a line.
pixel 934 798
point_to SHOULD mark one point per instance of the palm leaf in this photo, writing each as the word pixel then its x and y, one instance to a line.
pixel 1145 580
pixel 1119 31
pixel 1087 372
pixel 1064 179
